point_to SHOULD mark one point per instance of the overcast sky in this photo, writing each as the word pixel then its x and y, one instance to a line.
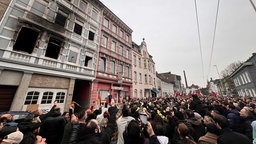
pixel 170 31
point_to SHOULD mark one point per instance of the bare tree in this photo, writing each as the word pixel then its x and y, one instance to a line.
pixel 230 69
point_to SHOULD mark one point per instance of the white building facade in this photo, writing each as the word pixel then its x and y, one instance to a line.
pixel 144 74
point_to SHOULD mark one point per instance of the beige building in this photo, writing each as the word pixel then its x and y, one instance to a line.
pixel 48 52
pixel 144 74
pixel 165 88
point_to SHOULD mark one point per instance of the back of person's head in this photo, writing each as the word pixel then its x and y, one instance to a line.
pixel 92 127
pixel 190 113
pixel 231 106
pixel 159 129
pixel 81 114
pixel 29 138
pixel 125 111
pixel 221 120
pixel 183 130
pixel 212 128
pixel 106 114
pixel 14 137
pixel 133 133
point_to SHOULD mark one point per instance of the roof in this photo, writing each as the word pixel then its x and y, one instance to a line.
pixel 243 65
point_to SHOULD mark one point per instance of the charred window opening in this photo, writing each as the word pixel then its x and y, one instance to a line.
pixel 26 40
pixel 53 48
pixel 88 61
pixel 78 29
pixel 60 19
pixel 91 35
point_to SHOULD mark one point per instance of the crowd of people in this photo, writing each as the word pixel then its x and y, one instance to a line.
pixel 158 120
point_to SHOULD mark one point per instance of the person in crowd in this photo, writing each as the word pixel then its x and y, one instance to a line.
pixel 254 131
pixel 122 122
pixel 245 124
pixel 66 116
pixel 227 136
pixel 233 117
pixel 80 118
pixel 53 127
pixel 184 136
pixel 92 134
pixel 13 138
pixel 30 130
pixel 196 123
pixel 211 135
pixel 207 120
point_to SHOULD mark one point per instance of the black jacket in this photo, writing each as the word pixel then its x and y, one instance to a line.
pixel 229 137
pixel 52 128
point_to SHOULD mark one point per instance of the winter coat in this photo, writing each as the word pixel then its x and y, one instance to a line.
pixel 234 119
pixel 208 138
pixel 245 127
pixel 230 137
pixel 198 128
pixel 52 129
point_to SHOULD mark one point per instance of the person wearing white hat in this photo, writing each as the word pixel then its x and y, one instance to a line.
pixel 13 138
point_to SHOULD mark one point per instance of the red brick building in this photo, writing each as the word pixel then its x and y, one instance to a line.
pixel 114 66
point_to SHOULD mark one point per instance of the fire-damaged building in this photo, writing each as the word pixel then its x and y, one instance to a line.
pixel 48 52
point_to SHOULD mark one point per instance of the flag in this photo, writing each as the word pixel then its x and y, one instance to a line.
pixel 99 100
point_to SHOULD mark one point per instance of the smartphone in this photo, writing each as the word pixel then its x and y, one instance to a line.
pixel 144 118
pixel 71 111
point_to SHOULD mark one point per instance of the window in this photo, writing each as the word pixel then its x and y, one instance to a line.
pixel 60 97
pixel 135 93
pixel 146 79
pixel 135 76
pixel 106 22
pixel 78 29
pixel 145 64
pixel 244 77
pixel 88 61
pixel 95 14
pixel 127 71
pixel 114 29
pixel 47 98
pixel 53 48
pixel 61 18
pixel 139 62
pixel 127 38
pixel 149 79
pixel 104 41
pixel 127 53
pixel 72 57
pixel 254 93
pixel 82 5
pixel 134 60
pixel 241 77
pixel 121 68
pixel 247 76
pixel 121 50
pixel 26 40
pixel 31 98
pixel 91 36
pixel 112 67
pixel 141 94
pixel 113 46
pixel 102 66
pixel 121 34
pixel 140 78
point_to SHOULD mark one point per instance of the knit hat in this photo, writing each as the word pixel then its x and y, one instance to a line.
pixel 14 137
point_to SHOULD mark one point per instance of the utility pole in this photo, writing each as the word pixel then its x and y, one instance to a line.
pixel 185 79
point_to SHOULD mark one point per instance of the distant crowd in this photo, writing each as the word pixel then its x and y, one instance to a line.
pixel 158 120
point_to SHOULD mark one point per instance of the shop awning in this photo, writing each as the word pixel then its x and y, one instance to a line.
pixel 155 91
